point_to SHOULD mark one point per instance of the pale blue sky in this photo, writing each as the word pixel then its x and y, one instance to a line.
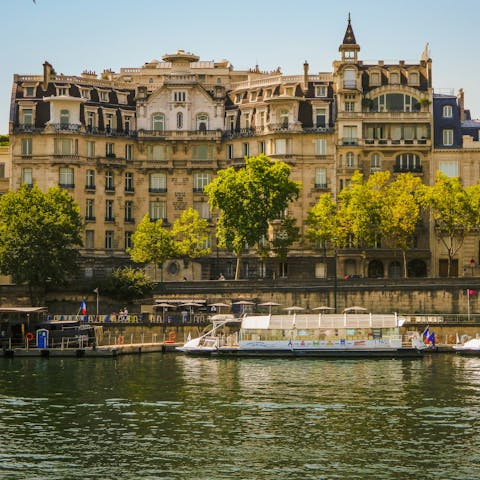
pixel 74 35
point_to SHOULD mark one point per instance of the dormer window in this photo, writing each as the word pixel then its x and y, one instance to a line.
pixel 320 90
pixel 179 96
pixel 394 78
pixel 375 79
pixel 85 93
pixel 238 98
pixel 64 118
pixel 103 95
pixel 202 122
pixel 253 96
pixel 29 91
pixel 268 93
pixel 122 98
pixel 62 91
pixel 289 91
pixel 413 78
pixel 158 122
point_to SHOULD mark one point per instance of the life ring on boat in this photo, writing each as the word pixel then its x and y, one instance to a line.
pixel 29 336
pixel 172 336
pixel 120 340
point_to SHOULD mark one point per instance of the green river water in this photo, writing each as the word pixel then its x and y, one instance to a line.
pixel 168 416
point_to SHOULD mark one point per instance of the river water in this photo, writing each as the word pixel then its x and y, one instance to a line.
pixel 167 416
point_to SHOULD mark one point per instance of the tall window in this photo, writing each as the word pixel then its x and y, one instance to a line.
pixel 407 162
pixel 179 96
pixel 320 178
pixel 27 176
pixel 108 239
pixel 179 120
pixel 129 182
pixel 350 160
pixel 65 146
pixel 449 168
pixel 109 216
pixel 394 78
pixel 27 116
pixel 90 179
pixel 64 118
pixel 157 152
pixel 447 111
pixel 229 151
pixel 413 78
pixel 375 78
pixel 129 211
pixel 26 146
pixel 320 146
pixel 158 122
pixel 448 137
pixel 90 209
pixel 350 136
pixel 284 118
pixel 320 90
pixel 203 209
pixel 349 80
pixel 320 117
pixel 66 177
pixel 129 151
pixel 375 163
pixel 157 182
pixel 157 210
pixel 202 121
pixel 246 149
pixel 2 169
pixel 200 181
pixel 109 180
pixel 261 146
pixel 90 149
pixel 128 240
pixel 110 149
pixel 89 238
pixel 280 146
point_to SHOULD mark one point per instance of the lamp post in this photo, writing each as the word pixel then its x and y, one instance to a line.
pixel 97 292
pixel 335 274
pixel 472 265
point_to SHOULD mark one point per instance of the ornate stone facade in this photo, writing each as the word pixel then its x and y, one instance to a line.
pixel 147 140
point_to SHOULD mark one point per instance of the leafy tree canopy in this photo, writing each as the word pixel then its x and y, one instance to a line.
pixel 128 283
pixel 190 234
pixel 248 199
pixel 39 235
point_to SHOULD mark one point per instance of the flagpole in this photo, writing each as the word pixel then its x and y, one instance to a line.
pixel 468 304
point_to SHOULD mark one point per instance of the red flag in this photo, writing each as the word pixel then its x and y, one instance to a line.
pixel 471 292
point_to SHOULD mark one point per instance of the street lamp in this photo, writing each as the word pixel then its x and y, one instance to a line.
pixel 335 273
pixel 97 292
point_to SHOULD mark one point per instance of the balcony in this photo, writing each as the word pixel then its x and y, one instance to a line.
pixel 67 185
pixel 129 220
pixel 180 134
pixel 408 168
pixel 26 128
pixel 198 189
pixel 109 218
pixel 321 186
pixel 390 142
pixel 349 141
pixel 66 127
pixel 157 190
pixel 110 188
pixel 90 188
pixel 90 218
pixel 129 190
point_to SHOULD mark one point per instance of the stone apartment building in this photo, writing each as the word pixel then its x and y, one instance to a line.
pixel 148 140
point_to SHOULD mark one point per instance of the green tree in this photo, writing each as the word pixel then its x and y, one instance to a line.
pixel 190 234
pixel 152 243
pixel 248 200
pixel 322 220
pixel 284 236
pixel 401 213
pixel 359 210
pixel 39 236
pixel 128 283
pixel 453 211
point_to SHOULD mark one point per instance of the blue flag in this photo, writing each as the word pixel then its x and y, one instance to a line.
pixel 83 307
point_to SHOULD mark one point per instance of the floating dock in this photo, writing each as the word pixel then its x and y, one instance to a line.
pixel 99 351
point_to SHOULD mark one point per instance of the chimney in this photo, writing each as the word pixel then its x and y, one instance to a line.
pixel 47 74
pixel 305 76
pixel 461 104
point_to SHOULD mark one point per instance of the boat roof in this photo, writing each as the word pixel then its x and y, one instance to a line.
pixel 313 321
pixel 23 309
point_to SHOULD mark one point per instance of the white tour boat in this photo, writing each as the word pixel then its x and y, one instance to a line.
pixel 308 335
pixel 470 347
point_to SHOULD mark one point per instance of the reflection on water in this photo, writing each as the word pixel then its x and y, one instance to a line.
pixel 174 417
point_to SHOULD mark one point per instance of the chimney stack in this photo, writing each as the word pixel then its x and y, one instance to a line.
pixel 47 74
pixel 461 104
pixel 305 76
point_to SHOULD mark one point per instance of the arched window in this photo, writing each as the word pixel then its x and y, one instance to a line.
pixel 375 269
pixel 179 120
pixel 447 111
pixel 394 270
pixel 64 117
pixel 408 162
pixel 349 159
pixel 202 121
pixel 158 122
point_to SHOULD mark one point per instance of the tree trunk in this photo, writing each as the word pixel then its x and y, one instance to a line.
pixel 237 269
pixel 405 271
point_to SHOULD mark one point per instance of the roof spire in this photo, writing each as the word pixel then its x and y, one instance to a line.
pixel 349 38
